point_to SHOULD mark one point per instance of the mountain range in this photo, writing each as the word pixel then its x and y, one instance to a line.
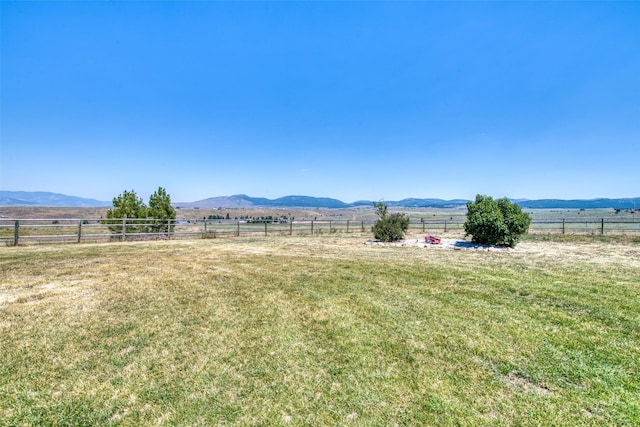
pixel 244 201
pixel 25 198
pixel 43 198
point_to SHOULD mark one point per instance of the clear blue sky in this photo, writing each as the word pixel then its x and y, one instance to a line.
pixel 351 100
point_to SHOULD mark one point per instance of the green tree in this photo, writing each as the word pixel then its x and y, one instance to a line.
pixel 161 211
pixel 389 227
pixel 127 205
pixel 495 222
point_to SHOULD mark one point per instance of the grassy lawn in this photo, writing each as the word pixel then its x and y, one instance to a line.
pixel 319 331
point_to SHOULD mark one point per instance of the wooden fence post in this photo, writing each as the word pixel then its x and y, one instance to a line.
pixel 79 230
pixel 290 228
pixel 312 227
pixel 363 226
pixel 265 227
pixel 238 230
pixel 347 226
pixel 445 225
pixel 16 233
pixel 562 225
pixel 602 226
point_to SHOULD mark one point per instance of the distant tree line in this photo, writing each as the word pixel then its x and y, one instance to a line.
pixel 270 219
pixel 227 216
pixel 251 219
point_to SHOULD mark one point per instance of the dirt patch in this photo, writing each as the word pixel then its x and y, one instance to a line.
pixel 520 382
pixel 454 244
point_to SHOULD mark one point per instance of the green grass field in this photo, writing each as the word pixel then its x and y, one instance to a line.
pixel 320 331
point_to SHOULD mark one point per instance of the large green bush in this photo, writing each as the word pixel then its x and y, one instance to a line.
pixel 495 222
pixel 389 228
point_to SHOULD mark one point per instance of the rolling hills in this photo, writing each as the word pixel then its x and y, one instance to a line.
pixel 41 198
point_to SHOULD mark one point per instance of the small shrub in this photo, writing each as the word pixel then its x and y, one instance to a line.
pixel 389 228
pixel 495 222
pixel 210 235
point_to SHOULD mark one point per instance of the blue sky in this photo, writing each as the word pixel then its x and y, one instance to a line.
pixel 351 100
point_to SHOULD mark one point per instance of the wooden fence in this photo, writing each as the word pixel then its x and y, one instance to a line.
pixel 26 231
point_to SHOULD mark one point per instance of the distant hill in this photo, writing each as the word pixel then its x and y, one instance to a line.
pixel 428 203
pixel 41 198
pixel 629 203
pixel 25 198
pixel 244 201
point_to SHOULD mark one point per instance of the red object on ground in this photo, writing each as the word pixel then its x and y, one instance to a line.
pixel 432 240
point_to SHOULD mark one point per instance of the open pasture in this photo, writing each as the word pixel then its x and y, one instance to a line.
pixel 324 330
pixel 31 225
pixel 355 214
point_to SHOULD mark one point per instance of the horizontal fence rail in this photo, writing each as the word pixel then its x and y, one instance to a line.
pixel 25 231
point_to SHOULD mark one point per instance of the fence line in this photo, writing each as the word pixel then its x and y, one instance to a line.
pixel 17 231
